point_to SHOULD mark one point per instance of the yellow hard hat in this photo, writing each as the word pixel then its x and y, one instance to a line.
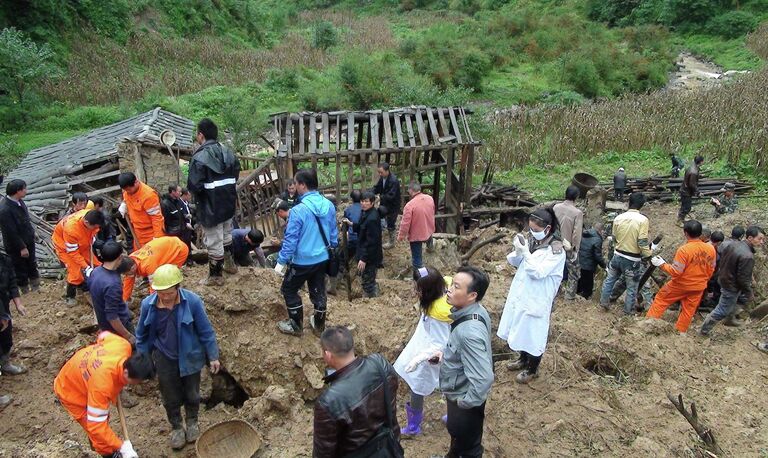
pixel 166 276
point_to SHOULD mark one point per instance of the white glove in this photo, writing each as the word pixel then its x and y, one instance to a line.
pixel 418 359
pixel 654 246
pixel 123 209
pixel 658 261
pixel 127 451
pixel 88 271
pixel 567 245
pixel 280 269
pixel 521 246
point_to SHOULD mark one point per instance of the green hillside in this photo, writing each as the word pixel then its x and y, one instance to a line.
pixel 238 60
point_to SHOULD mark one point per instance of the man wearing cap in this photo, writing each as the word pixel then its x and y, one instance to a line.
pixel 174 329
pixel 619 184
pixel 726 202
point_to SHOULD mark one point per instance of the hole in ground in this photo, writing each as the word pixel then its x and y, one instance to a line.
pixel 226 389
pixel 604 367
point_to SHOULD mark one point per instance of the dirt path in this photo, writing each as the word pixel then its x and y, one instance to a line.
pixel 581 405
pixel 693 73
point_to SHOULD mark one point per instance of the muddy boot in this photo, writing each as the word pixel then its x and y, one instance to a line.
pixel 317 324
pixel 229 263
pixel 8 368
pixel 333 282
pixel 34 284
pixel 214 277
pixel 525 377
pixel 391 241
pixel 516 365
pixel 732 321
pixel 178 439
pixel 193 430
pixel 5 401
pixel 707 326
pixel 680 222
pixel 290 327
pixel 70 297
pixel 414 418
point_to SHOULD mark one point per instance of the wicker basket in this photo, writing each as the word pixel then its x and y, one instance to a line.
pixel 230 439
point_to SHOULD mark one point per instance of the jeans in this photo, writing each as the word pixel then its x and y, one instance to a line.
pixel 466 429
pixel 216 238
pixel 686 203
pixel 176 390
pixel 726 305
pixel 586 283
pixel 314 276
pixel 630 271
pixel 416 255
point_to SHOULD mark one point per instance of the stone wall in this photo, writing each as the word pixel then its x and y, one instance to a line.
pixel 151 163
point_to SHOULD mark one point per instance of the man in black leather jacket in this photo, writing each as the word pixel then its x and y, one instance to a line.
pixel 173 212
pixel 213 173
pixel 352 410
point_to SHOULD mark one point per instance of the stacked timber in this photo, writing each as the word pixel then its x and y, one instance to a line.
pixel 666 189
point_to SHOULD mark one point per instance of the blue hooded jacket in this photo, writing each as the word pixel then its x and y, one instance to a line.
pixel 197 340
pixel 303 245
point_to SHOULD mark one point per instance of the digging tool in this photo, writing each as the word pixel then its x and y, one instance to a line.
pixel 649 271
pixel 121 413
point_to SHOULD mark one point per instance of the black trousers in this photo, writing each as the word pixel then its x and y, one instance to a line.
pixel 176 390
pixel 391 218
pixel 314 276
pixel 6 339
pixel 466 429
pixel 25 268
pixel 586 283
pixel 686 203
pixel 531 362
pixel 369 279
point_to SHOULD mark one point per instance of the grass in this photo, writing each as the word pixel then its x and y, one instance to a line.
pixel 523 83
pixel 730 54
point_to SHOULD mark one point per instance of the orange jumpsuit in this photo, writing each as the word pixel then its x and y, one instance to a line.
pixel 694 264
pixel 89 382
pixel 145 214
pixel 72 243
pixel 162 250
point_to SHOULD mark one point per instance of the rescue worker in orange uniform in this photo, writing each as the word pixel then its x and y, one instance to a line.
pixel 694 264
pixel 92 380
pixel 142 204
pixel 72 240
pixel 144 261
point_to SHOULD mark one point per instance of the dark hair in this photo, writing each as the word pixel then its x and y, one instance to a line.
pixel 79 197
pixel 698 159
pixel 355 195
pixel 140 366
pixel 283 205
pixel 332 199
pixel 572 193
pixel 368 195
pixel 208 129
pixel 384 165
pixel 14 186
pixel 306 177
pixel 692 228
pixel 95 217
pixel 172 188
pixel 125 265
pixel 706 232
pixel 126 179
pixel 431 287
pixel 546 216
pixel 111 251
pixel 256 236
pixel 337 340
pixel 737 232
pixel 753 231
pixel 184 191
pixel 98 201
pixel 717 237
pixel 479 283
pixel 289 182
pixel 383 211
pixel 636 200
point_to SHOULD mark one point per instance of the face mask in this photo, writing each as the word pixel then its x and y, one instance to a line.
pixel 539 235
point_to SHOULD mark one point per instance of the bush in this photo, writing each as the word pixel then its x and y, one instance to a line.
pixel 10 157
pixel 324 35
pixel 580 72
pixel 732 24
pixel 282 79
pixel 474 65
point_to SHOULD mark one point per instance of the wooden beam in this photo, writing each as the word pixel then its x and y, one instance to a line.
pixel 422 130
pixel 432 126
pixel 455 125
pixel 399 131
pixel 409 127
pixel 326 133
pixel 312 135
pixel 350 131
pixel 387 129
pixel 302 138
pixel 374 132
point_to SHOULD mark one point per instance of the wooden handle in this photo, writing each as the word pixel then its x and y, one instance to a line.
pixel 121 413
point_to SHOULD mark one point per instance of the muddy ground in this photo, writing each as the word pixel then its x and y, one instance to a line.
pixel 601 391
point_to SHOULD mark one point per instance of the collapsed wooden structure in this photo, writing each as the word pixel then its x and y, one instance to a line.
pixel 433 146
pixel 666 189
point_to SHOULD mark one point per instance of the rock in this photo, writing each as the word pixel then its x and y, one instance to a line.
pixel 649 447
pixel 554 427
pixel 254 409
pixel 314 376
pixel 654 326
pixel 278 398
pixel 298 362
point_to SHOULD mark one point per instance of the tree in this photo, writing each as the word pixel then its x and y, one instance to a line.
pixel 23 63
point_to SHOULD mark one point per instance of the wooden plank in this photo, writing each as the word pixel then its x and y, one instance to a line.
pixel 455 125
pixel 387 129
pixel 104 191
pixel 338 177
pixel 289 136
pixel 326 134
pixel 409 127
pixel 350 171
pixel 448 180
pixel 374 131
pixel 312 135
pixel 399 131
pixel 350 131
pixel 468 171
pixel 433 126
pixel 445 130
pixel 83 180
pixel 302 138
pixel 338 132
pixel 422 130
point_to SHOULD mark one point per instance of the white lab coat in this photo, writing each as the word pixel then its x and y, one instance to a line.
pixel 431 335
pixel 525 321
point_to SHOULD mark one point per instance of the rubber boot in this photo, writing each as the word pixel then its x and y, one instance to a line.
pixel 707 326
pixel 214 277
pixel 732 321
pixel 8 368
pixel 5 401
pixel 331 285
pixel 290 327
pixel 71 295
pixel 391 241
pixel 34 283
pixel 414 418
pixel 193 430
pixel 178 439
pixel 317 324
pixel 229 263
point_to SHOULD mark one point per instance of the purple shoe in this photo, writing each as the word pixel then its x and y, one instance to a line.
pixel 414 421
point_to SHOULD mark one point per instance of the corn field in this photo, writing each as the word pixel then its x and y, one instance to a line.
pixel 729 121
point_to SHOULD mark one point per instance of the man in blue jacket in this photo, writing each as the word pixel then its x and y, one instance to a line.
pixel 174 329
pixel 304 254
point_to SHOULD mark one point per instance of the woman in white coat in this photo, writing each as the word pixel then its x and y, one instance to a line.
pixel 431 335
pixel 540 260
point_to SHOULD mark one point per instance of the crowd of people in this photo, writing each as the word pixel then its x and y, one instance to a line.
pixel 450 350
